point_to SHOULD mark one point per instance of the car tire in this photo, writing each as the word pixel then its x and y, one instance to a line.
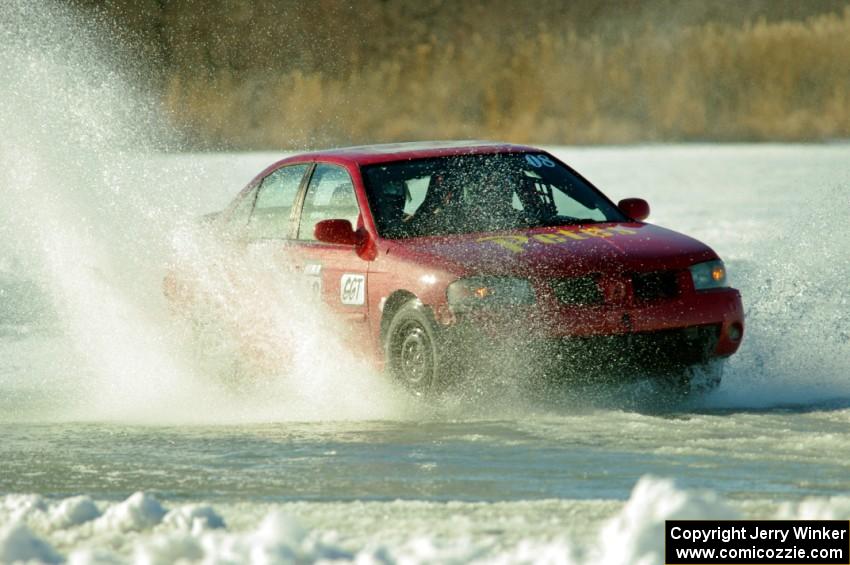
pixel 414 349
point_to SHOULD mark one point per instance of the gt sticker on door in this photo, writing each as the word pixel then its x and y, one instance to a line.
pixel 352 289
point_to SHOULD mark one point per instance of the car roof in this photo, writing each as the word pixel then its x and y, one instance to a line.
pixel 382 153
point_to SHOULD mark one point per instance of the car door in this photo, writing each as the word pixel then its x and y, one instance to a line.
pixel 268 228
pixel 336 272
pixel 272 214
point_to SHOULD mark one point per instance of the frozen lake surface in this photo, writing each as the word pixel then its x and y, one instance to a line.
pixel 97 403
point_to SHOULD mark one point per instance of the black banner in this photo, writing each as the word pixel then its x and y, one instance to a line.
pixel 760 542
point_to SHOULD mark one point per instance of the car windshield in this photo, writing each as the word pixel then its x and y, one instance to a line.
pixel 480 193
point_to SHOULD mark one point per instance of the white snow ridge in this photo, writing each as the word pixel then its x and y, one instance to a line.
pixel 141 530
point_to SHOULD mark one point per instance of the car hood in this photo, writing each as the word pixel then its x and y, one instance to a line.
pixel 559 251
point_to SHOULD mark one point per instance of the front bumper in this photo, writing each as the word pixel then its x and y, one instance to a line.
pixel 701 325
pixel 664 350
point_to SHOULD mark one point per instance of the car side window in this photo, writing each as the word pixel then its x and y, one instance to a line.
pixel 275 197
pixel 417 188
pixel 330 196
pixel 241 212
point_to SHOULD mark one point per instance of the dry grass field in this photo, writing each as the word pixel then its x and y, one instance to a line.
pixel 290 75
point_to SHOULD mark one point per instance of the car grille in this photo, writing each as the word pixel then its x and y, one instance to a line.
pixel 578 291
pixel 655 286
pixel 627 354
pixel 586 290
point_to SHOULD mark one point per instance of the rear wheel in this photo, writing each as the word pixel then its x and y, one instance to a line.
pixel 413 349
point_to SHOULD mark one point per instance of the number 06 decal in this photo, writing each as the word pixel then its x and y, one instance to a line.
pixel 538 161
pixel 352 289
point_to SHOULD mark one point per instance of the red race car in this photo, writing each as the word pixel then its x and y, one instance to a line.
pixel 433 251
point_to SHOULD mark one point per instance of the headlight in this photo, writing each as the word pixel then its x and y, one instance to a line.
pixel 474 292
pixel 711 274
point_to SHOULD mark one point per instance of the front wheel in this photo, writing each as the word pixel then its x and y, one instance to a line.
pixel 413 349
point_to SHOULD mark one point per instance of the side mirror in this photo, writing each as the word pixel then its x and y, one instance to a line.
pixel 635 208
pixel 336 231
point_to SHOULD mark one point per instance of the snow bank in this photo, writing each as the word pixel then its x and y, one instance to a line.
pixel 73 511
pixel 636 535
pixel 141 530
pixel 139 512
pixel 193 518
pixel 18 543
pixel 16 507
pixel 832 508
